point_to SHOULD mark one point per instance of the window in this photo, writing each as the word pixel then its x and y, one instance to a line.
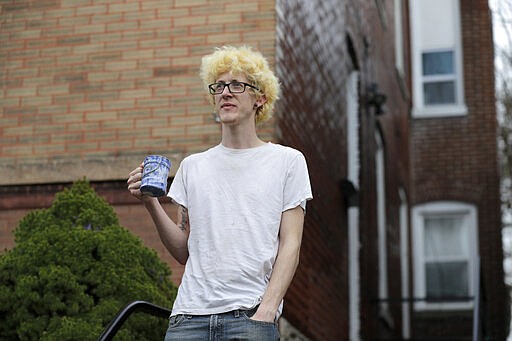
pixel 438 78
pixel 446 256
pixel 436 58
pixel 445 252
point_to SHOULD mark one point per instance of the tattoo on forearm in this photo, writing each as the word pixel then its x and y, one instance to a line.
pixel 184 219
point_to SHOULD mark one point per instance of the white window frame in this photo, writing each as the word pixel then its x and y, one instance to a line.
pixel 382 249
pixel 399 38
pixel 354 244
pixel 419 212
pixel 404 263
pixel 420 110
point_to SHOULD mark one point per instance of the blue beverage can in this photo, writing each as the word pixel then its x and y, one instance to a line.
pixel 154 175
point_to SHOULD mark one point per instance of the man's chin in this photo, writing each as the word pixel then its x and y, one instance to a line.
pixel 228 119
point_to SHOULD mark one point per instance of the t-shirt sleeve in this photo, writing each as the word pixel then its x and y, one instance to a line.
pixel 297 188
pixel 177 191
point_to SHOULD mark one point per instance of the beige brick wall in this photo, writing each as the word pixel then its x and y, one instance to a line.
pixel 90 87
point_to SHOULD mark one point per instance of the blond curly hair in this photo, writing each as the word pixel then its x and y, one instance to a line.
pixel 252 64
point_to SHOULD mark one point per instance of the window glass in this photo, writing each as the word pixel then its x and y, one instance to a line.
pixel 444 237
pixel 447 279
pixel 439 92
pixel 446 256
pixel 438 63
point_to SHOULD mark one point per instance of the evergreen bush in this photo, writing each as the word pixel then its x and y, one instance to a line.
pixel 73 268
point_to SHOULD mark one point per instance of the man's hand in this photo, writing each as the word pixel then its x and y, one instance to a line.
pixel 135 181
pixel 265 316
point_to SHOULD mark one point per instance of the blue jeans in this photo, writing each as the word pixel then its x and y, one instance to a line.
pixel 233 325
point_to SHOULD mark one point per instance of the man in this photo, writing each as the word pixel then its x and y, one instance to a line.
pixel 241 211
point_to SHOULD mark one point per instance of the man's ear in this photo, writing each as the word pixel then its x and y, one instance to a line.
pixel 261 100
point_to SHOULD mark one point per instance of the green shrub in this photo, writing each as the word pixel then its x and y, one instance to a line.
pixel 73 268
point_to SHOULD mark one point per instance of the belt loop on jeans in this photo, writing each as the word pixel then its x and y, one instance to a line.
pixel 236 313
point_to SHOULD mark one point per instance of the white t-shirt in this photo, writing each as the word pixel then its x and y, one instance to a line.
pixel 234 198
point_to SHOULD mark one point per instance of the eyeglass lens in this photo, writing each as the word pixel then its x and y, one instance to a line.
pixel 234 87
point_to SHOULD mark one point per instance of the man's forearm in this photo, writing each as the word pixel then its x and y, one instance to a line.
pixel 290 237
pixel 173 237
pixel 282 275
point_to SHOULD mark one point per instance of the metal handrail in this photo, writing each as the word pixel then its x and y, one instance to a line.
pixel 136 306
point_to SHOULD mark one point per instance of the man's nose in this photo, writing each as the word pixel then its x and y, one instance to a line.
pixel 226 91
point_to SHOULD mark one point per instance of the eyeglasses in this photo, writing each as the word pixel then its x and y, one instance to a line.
pixel 234 87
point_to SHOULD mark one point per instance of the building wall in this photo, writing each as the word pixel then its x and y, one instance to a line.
pixel 318 45
pixel 456 159
pixel 90 87
pixel 312 108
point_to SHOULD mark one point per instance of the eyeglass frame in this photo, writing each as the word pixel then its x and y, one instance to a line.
pixel 224 85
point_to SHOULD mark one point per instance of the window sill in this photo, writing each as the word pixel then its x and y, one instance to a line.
pixel 443 306
pixel 440 111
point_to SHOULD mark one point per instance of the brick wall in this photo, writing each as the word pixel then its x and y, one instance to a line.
pixel 8 221
pixel 318 298
pixel 89 87
pixel 314 63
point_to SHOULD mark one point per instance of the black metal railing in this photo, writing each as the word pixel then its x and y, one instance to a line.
pixel 136 306
pixel 476 308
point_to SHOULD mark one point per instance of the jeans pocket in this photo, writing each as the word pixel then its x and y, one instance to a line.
pixel 176 320
pixel 248 316
pixel 259 330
